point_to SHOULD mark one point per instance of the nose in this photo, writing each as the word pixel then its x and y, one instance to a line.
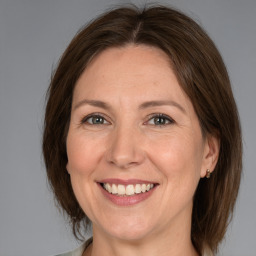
pixel 125 148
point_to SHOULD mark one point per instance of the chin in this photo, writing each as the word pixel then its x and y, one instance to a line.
pixel 130 230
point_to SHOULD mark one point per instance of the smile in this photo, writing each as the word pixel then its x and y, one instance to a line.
pixel 127 190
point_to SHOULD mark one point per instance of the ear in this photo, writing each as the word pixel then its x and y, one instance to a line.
pixel 211 154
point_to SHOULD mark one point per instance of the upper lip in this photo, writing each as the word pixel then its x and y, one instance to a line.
pixel 126 182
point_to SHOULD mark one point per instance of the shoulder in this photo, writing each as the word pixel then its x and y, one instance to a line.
pixel 78 251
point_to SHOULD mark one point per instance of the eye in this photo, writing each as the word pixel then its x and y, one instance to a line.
pixel 160 120
pixel 94 119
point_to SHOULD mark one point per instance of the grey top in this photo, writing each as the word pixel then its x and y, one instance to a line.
pixel 78 251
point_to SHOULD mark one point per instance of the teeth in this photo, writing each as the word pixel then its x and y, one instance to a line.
pixel 113 189
pixel 122 190
pixel 108 188
pixel 129 190
pixel 137 188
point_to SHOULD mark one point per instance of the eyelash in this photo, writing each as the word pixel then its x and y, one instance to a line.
pixel 94 115
pixel 149 118
pixel 163 116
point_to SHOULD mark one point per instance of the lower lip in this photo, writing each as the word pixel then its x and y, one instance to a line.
pixel 127 200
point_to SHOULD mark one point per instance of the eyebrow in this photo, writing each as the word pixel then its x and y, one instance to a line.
pixel 147 104
pixel 95 103
pixel 158 103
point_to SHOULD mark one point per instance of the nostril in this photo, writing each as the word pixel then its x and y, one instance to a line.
pixel 124 150
pixel 126 159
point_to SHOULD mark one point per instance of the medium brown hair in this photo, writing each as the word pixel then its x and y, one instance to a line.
pixel 203 77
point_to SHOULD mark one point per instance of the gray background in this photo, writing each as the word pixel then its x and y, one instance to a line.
pixel 33 34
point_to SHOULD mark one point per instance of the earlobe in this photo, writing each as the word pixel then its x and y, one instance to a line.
pixel 211 155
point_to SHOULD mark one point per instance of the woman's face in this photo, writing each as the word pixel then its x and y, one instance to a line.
pixel 135 147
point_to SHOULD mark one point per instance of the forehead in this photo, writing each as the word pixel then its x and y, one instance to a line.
pixel 137 72
pixel 132 52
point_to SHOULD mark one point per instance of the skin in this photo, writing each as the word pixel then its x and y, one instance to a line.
pixel 130 144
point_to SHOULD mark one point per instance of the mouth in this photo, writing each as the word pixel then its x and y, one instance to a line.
pixel 127 190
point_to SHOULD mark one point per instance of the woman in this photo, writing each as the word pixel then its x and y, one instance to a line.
pixel 142 136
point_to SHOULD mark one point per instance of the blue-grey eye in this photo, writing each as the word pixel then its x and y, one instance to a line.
pixel 159 120
pixel 95 119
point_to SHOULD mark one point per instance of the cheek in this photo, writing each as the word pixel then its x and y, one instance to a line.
pixel 80 158
pixel 178 155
